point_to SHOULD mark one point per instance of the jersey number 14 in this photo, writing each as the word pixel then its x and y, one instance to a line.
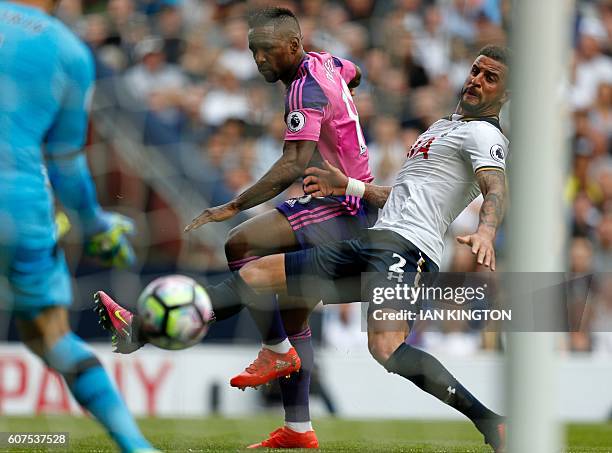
pixel 421 146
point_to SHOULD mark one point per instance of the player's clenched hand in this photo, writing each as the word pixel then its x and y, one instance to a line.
pixel 214 214
pixel 326 181
pixel 482 247
pixel 110 246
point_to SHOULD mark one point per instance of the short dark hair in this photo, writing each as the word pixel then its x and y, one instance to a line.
pixel 497 53
pixel 274 14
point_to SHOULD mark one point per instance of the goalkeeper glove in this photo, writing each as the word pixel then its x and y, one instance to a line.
pixel 111 247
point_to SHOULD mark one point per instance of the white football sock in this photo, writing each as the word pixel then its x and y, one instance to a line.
pixel 299 427
pixel 280 348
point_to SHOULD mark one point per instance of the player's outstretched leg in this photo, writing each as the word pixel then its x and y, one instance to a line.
pixel 427 373
pixel 127 336
pixel 48 336
pixel 226 298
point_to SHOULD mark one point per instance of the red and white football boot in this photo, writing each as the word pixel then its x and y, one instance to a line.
pixel 268 366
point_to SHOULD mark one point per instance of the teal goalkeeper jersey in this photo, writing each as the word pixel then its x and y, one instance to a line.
pixel 46 75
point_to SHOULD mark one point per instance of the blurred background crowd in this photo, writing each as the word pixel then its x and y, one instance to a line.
pixel 182 120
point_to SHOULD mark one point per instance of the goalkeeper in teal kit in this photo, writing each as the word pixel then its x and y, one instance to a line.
pixel 46 77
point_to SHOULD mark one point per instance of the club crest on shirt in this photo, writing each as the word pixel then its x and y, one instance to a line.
pixel 497 153
pixel 296 121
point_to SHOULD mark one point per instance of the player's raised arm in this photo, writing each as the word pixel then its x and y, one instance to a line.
pixel 289 167
pixel 329 180
pixel 492 184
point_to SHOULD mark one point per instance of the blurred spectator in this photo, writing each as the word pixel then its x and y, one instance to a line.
pixel 411 14
pixel 488 30
pixel 355 39
pixel 603 253
pixel 600 116
pixel 581 256
pixel 387 152
pixel 432 44
pixel 581 179
pixel 367 111
pixel 170 29
pixel 586 217
pixel 458 21
pixel 237 58
pixel 327 35
pixel 153 81
pixel 269 146
pixel 342 327
pixel 127 26
pixel 591 66
pixel 198 57
pixel 459 65
pixel 602 317
pixel 226 99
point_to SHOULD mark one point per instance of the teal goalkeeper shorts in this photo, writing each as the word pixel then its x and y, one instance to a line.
pixel 33 279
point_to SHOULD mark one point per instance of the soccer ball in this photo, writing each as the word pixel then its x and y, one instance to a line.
pixel 175 312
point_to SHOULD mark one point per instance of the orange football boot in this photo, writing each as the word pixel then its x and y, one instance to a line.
pixel 287 438
pixel 268 366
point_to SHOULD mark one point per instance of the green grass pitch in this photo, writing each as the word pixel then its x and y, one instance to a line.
pixel 335 435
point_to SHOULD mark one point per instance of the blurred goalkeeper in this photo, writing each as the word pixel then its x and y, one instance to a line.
pixel 47 77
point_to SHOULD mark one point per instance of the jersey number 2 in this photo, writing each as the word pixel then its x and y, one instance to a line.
pixel 354 115
pixel 399 266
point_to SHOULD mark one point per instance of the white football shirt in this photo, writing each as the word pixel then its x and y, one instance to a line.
pixel 437 180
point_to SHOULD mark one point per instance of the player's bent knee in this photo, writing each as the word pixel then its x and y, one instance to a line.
pixel 236 244
pixel 254 274
pixel 383 344
pixel 265 274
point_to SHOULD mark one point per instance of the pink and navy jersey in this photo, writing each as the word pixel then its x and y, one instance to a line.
pixel 319 107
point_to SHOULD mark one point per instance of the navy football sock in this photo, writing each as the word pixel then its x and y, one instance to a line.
pixel 93 389
pixel 296 389
pixel 266 314
pixel 427 373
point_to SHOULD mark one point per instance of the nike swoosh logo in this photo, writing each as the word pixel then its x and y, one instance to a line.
pixel 118 316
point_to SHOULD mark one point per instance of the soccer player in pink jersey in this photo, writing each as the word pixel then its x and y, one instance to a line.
pixel 322 124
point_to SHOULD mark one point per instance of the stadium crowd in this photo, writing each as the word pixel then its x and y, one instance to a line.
pixel 182 73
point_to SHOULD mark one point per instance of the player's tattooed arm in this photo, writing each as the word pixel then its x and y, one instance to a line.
pixel 289 167
pixel 329 180
pixel 492 184
pixel 493 187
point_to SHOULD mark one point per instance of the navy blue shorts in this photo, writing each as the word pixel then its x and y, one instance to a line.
pixel 317 221
pixel 332 271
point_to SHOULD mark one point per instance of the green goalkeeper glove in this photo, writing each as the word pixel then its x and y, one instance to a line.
pixel 111 247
